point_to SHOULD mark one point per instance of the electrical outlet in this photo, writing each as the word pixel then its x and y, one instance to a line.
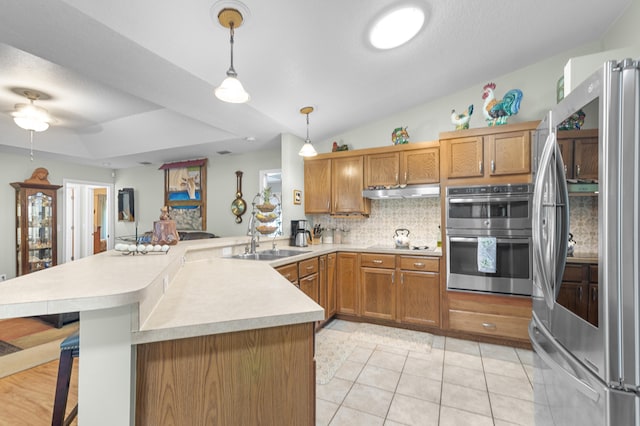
pixel 3 277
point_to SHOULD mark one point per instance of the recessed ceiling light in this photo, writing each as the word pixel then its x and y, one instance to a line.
pixel 396 27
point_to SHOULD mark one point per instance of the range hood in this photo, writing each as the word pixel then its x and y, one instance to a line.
pixel 409 191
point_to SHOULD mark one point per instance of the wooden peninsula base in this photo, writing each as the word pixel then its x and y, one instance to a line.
pixel 264 376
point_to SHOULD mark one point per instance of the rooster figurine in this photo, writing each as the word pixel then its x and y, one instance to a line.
pixel 461 121
pixel 497 112
pixel 335 147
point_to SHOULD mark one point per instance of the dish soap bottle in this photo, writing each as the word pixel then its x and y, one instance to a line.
pixel 439 239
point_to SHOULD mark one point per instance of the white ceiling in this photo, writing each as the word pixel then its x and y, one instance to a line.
pixel 132 80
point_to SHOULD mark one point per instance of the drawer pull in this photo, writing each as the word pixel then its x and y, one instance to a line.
pixel 489 325
pixel 376 261
pixel 309 267
pixel 419 264
pixel 288 276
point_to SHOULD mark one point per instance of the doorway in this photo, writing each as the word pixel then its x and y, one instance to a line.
pixel 88 223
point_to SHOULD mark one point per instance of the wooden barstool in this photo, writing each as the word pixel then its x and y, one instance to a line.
pixel 69 349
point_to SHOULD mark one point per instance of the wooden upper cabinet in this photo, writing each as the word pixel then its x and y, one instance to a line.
pixel 465 157
pixel 509 153
pixel 579 150
pixel 499 153
pixel 382 169
pixel 420 166
pixel 317 186
pixel 347 183
pixel 410 167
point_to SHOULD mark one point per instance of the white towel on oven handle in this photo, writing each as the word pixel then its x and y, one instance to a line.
pixel 487 254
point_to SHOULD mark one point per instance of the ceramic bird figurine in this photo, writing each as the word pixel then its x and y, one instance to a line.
pixel 497 112
pixel 335 147
pixel 400 136
pixel 461 121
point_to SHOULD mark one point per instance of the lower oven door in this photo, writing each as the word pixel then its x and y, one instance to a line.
pixel 513 263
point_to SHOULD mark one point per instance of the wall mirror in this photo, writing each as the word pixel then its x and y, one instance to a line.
pixel 126 210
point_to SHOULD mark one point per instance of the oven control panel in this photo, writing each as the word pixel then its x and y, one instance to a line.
pixel 523 188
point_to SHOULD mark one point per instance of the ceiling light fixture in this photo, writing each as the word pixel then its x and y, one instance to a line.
pixel 307 149
pixel 231 90
pixel 31 117
pixel 396 27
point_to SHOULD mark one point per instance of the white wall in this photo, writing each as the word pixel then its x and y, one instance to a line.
pixel 148 185
pixel 292 178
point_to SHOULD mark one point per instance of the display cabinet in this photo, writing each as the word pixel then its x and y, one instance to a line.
pixel 36 241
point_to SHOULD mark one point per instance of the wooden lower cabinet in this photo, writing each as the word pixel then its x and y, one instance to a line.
pixel 308 278
pixel 378 293
pixel 579 291
pixel 497 316
pixel 290 272
pixel 328 285
pixel 347 283
pixel 419 298
pixel 264 376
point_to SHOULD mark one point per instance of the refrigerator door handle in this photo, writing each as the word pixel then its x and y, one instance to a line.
pixel 539 224
pixel 536 334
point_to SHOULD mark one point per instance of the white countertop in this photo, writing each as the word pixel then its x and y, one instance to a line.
pixel 192 290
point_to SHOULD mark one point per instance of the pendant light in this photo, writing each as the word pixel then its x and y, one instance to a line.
pixel 231 90
pixel 31 117
pixel 307 149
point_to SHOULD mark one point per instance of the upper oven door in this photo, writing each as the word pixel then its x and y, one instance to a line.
pixel 502 211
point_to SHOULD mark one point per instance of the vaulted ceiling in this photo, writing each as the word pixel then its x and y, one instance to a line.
pixel 130 81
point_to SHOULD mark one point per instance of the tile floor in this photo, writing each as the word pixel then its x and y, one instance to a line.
pixel 458 383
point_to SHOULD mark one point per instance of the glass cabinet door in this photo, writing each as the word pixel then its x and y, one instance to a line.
pixel 39 230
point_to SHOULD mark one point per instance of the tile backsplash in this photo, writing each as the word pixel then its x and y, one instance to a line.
pixel 583 223
pixel 420 216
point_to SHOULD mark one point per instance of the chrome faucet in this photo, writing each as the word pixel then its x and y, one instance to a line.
pixel 255 238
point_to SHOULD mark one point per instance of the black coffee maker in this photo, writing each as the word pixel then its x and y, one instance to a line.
pixel 298 227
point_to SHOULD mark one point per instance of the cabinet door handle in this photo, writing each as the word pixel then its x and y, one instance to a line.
pixel 493 166
pixel 577 170
pixel 480 167
pixel 580 293
pixel 594 294
pixel 393 277
pixel 397 178
pixel 376 261
pixel 489 325
pixel 565 170
pixel 406 176
pixel 401 277
pixel 419 264
pixel 328 204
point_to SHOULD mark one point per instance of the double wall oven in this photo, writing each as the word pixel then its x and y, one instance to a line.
pixel 501 215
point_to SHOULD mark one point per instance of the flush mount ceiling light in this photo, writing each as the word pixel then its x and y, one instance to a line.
pixel 396 27
pixel 307 149
pixel 231 90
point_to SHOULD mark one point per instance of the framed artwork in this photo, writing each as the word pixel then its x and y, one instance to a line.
pixel 297 196
pixel 185 193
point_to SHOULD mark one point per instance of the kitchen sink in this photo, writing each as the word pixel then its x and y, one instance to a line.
pixel 269 254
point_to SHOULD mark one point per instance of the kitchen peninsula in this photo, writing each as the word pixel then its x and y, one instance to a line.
pixel 187 333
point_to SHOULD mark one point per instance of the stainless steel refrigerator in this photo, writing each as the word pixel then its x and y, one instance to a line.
pixel 588 374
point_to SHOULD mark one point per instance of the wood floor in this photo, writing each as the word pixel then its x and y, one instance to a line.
pixel 26 398
pixel 26 395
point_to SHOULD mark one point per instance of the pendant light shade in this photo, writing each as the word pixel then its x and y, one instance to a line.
pixel 307 149
pixel 231 90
